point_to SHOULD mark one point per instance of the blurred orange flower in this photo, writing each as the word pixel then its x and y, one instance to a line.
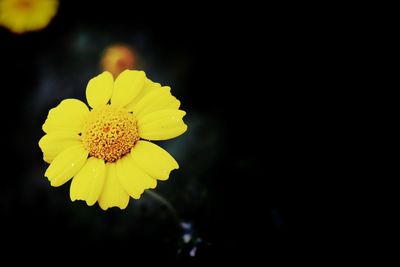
pixel 118 58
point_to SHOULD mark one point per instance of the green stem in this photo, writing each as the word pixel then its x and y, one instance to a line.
pixel 164 202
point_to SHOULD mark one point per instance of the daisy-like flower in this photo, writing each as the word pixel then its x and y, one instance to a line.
pixel 105 148
pixel 20 16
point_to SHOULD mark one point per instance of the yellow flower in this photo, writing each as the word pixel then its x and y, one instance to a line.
pixel 105 149
pixel 20 16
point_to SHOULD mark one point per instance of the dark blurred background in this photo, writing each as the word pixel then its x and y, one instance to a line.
pixel 235 70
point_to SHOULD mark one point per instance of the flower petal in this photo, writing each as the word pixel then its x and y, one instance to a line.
pixel 66 165
pixel 149 86
pixel 127 86
pixel 54 143
pixel 113 194
pixel 162 125
pixel 154 160
pixel 69 115
pixel 99 89
pixel 156 100
pixel 88 183
pixel 132 178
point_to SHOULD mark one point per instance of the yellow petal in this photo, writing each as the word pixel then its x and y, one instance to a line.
pixel 54 143
pixel 66 165
pixel 156 100
pixel 127 86
pixel 132 178
pixel 88 183
pixel 154 160
pixel 99 89
pixel 149 86
pixel 69 116
pixel 113 194
pixel 162 125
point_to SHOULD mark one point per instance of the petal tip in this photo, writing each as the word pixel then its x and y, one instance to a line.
pixel 46 174
pixel 40 143
pixel 106 72
pixel 183 130
pixel 53 182
pixel 122 207
pixel 104 208
pixel 154 185
pixel 90 203
pixel 44 127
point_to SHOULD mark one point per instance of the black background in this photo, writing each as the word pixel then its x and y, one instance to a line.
pixel 238 71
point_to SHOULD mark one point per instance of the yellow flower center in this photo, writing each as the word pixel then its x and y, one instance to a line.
pixel 110 133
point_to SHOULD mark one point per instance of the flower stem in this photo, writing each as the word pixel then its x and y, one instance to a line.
pixel 164 202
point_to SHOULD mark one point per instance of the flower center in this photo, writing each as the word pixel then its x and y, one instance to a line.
pixel 110 133
pixel 24 4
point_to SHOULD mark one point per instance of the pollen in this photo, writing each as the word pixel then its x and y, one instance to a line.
pixel 110 133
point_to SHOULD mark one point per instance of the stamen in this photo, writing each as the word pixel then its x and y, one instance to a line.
pixel 110 133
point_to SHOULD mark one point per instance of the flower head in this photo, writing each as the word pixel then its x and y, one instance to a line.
pixel 20 16
pixel 118 58
pixel 104 149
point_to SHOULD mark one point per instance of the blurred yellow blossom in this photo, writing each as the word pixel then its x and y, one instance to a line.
pixel 20 16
